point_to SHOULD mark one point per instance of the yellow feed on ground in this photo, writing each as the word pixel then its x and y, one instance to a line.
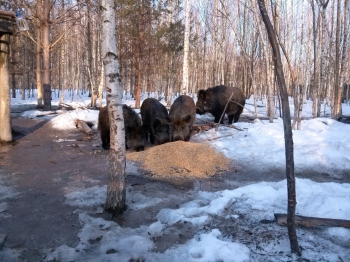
pixel 182 159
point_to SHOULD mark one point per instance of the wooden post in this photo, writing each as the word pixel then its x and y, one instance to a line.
pixel 7 20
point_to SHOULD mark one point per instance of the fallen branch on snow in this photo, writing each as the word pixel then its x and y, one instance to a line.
pixel 83 126
pixel 313 221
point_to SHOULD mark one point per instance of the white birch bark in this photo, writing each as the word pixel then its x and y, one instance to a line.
pixel 323 56
pixel 344 45
pixel 337 107
pixel 186 49
pixel 116 194
pixel 100 88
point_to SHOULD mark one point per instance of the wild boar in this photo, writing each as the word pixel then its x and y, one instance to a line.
pixel 182 115
pixel 155 121
pixel 134 132
pixel 213 100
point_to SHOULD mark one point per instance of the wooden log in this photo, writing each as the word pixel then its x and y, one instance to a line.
pixel 209 125
pixel 64 106
pixel 200 128
pixel 313 221
pixel 83 126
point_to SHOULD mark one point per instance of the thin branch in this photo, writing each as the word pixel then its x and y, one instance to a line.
pixel 31 38
pixel 61 36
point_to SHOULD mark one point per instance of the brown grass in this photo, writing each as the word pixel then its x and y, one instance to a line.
pixel 182 159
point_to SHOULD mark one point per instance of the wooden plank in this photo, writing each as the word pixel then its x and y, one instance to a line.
pixel 7 14
pixel 313 221
pixel 83 126
pixel 6 27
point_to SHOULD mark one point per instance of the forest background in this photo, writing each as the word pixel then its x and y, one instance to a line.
pixel 227 44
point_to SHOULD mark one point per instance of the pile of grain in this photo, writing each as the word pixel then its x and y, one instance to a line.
pixel 181 159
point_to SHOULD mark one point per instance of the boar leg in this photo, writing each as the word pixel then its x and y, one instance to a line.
pixel 237 115
pixel 151 136
pixel 217 119
pixel 230 119
pixel 105 140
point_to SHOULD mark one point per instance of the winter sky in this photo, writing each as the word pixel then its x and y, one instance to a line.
pixel 322 145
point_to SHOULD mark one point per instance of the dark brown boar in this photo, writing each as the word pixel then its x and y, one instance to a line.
pixel 103 126
pixel 134 132
pixel 182 115
pixel 156 121
pixel 213 100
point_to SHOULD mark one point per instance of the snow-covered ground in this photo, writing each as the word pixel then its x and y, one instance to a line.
pixel 322 145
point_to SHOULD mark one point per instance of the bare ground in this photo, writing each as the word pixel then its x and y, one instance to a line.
pixel 43 164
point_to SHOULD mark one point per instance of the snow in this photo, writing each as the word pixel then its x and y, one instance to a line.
pixel 322 145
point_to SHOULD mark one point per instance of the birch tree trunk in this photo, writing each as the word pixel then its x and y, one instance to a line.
pixel 100 87
pixel 315 76
pixel 169 58
pixel 5 112
pixel 345 43
pixel 288 135
pixel 337 109
pixel 116 194
pixel 186 49
pixel 323 55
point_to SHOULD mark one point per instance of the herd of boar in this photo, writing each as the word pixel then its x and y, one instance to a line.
pixel 161 127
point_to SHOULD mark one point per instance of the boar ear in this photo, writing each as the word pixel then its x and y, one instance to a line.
pixel 187 119
pixel 201 94
pixel 156 123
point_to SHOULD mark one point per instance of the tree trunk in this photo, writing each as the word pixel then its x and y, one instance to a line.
pixel 337 109
pixel 184 90
pixel 116 193
pixel 100 88
pixel 24 67
pixel 323 55
pixel 46 55
pixel 298 110
pixel 90 84
pixel 288 135
pixel 5 111
pixel 13 80
pixel 315 76
pixel 38 54
pixel 139 66
pixel 270 100
pixel 344 48
pixel 60 79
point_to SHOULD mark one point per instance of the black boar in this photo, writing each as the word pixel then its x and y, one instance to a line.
pixel 155 121
pixel 214 99
pixel 134 132
pixel 182 115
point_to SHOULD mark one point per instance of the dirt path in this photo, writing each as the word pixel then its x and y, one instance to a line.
pixel 44 164
pixel 41 170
